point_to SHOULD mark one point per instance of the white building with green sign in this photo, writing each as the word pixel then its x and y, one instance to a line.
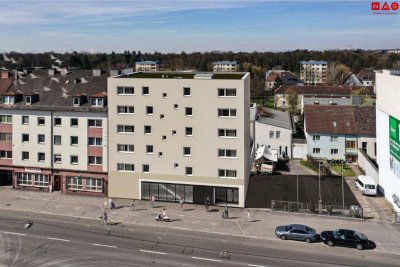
pixel 388 134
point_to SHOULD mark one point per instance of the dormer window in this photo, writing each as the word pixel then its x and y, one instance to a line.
pixel 97 102
pixel 77 101
pixel 9 100
pixel 28 100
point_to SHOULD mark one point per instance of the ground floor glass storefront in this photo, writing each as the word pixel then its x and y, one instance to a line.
pixel 226 195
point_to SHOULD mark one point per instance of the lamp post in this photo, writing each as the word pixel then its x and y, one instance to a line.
pixel 342 188
pixel 297 183
pixel 319 188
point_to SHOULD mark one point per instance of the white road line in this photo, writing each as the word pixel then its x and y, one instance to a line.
pixel 205 259
pixel 58 239
pixel 11 233
pixel 100 245
pixel 155 252
pixel 253 265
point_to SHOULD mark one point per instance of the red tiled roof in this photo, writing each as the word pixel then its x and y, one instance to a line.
pixel 4 85
pixel 272 77
pixel 101 94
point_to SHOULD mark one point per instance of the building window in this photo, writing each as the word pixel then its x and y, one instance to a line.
pixel 189 171
pixel 226 112
pixel 5 136
pixel 122 90
pixel 125 129
pixel 92 160
pixel 227 133
pixel 57 121
pixel 227 173
pixel 125 148
pixel 25 155
pixel 40 138
pixel 41 180
pixel 162 116
pixel 24 179
pixel 149 149
pixel 125 109
pixel 334 138
pixel 164 137
pixel 149 110
pixel 6 119
pixel 25 137
pixel 176 165
pixel 5 154
pixel 8 100
pixel 74 140
pixel 226 195
pixel 95 141
pixel 278 135
pixel 271 134
pixel 160 154
pixel 316 137
pixel 188 111
pixel 176 106
pixel 226 92
pixel 173 132
pixel 145 90
pixel 74 183
pixel 316 150
pixel 41 156
pixel 57 158
pixel 164 95
pixel 188 131
pixel 95 123
pixel 25 120
pixel 41 121
pixel 227 153
pixel 94 184
pixel 186 91
pixel 334 151
pixel 186 151
pixel 97 102
pixel 147 129
pixel 76 101
pixel 57 140
pixel 74 122
pixel 350 144
pixel 123 167
pixel 145 168
pixel 74 159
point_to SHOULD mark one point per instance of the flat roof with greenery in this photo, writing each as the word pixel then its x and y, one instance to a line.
pixel 184 75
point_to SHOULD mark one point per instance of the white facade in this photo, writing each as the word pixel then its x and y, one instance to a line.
pixel 147 66
pixel 225 66
pixel 313 72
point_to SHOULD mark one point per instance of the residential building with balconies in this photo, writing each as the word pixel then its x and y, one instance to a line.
pixel 313 72
pixel 225 66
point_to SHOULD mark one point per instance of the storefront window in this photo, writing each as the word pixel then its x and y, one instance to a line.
pixel 74 183
pixel 94 184
pixel 226 195
pixel 167 192
pixel 41 180
pixel 24 179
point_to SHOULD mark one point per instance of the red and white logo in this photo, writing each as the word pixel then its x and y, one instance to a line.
pixel 388 7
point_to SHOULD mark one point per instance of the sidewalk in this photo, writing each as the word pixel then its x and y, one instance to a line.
pixel 192 217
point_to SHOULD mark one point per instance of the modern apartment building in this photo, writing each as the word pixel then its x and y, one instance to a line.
pixel 174 135
pixel 313 72
pixel 53 131
pixel 225 66
pixel 388 134
pixel 147 65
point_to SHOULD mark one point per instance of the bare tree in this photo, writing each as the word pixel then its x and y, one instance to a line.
pixel 292 99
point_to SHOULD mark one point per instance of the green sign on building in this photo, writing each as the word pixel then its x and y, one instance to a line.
pixel 394 143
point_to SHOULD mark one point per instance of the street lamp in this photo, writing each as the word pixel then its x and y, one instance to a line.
pixel 319 188
pixel 297 182
pixel 342 188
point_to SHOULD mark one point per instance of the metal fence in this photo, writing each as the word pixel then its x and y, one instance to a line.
pixel 354 211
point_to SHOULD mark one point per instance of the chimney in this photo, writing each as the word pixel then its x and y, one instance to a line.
pixel 4 74
pixel 96 73
pixel 15 74
pixel 51 72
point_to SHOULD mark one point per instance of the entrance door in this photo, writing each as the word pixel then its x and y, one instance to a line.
pixel 57 183
pixel 6 177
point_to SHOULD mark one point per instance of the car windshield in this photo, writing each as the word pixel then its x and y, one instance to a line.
pixel 369 186
pixel 308 229
pixel 360 236
pixel 288 227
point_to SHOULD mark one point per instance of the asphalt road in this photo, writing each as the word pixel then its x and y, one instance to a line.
pixel 65 241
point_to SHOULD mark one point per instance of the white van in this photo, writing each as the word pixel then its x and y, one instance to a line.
pixel 367 185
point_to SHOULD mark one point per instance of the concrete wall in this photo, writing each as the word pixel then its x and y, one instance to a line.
pixel 371 141
pixel 369 168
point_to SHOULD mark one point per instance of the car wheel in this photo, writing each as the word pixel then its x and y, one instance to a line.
pixel 283 237
pixel 330 243
pixel 308 240
pixel 359 247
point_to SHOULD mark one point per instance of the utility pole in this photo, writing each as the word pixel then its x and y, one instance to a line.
pixel 319 188
pixel 298 184
pixel 342 188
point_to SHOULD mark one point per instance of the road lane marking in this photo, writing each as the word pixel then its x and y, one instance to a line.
pixel 253 265
pixel 100 245
pixel 11 233
pixel 58 239
pixel 206 259
pixel 155 252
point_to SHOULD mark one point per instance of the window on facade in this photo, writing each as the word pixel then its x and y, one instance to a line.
pixel 149 149
pixel 164 95
pixel 8 100
pixel 57 140
pixel 188 131
pixel 227 133
pixel 57 121
pixel 225 92
pixel 4 154
pixel 189 111
pixel 164 137
pixel 125 148
pixel 6 119
pixel 41 121
pixel 316 150
pixel 41 156
pixel 57 158
pixel 334 138
pixel 74 140
pixel 92 160
pixel 40 138
pixel 334 151
pixel 94 184
pixel 25 137
pixel 40 180
pixel 95 123
pixel 189 171
pixel 173 132
pixel 125 129
pixel 176 106
pixel 271 134
pixel 123 90
pixel 186 91
pixel 147 129
pixel 149 110
pixel 76 101
pixel 74 159
pixel 227 153
pixel 25 155
pixel 160 154
pixel 145 90
pixel 97 102
pixel 25 119
pixel 95 141
pixel 316 137
pixel 74 122
pixel 5 136
pixel 74 183
pixel 226 112
pixel 123 167
pixel 227 173
pixel 186 151
pixel 145 168
pixel 278 134
pixel 125 109
pixel 24 178
pixel 350 144
pixel 176 165
pixel 162 116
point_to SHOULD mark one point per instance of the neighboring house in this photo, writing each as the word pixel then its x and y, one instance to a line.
pixel 274 130
pixel 367 77
pixel 286 78
pixel 147 66
pixel 336 132
pixel 313 72
pixel 172 144
pixel 225 66
pixel 270 80
pixel 53 131
pixel 352 80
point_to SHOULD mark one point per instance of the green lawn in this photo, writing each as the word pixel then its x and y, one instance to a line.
pixel 307 165
pixel 347 171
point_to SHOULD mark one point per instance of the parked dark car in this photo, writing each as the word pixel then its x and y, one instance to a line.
pixel 345 238
pixel 296 232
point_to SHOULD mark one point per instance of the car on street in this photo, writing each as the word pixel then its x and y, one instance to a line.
pixel 296 232
pixel 345 238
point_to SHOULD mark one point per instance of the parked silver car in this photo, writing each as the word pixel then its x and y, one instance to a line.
pixel 296 232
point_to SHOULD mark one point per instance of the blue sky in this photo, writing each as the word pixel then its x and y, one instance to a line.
pixel 180 25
